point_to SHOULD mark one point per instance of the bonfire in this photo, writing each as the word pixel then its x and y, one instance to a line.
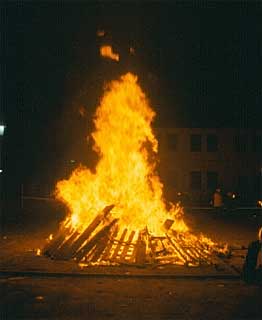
pixel 118 214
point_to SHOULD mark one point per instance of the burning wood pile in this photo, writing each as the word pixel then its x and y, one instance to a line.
pixel 103 242
pixel 139 227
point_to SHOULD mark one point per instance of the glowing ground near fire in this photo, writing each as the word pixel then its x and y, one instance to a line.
pixel 118 214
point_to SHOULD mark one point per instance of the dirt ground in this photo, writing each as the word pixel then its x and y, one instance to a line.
pixel 65 297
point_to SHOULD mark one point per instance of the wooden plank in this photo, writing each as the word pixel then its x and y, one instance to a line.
pixel 87 232
pixel 119 245
pixel 168 224
pixel 56 242
pixel 178 250
pixel 187 249
pixel 127 246
pixel 140 257
pixel 100 247
pixel 55 245
pixel 93 241
pixel 107 252
pixel 203 256
pixel 87 258
pixel 152 250
pixel 63 251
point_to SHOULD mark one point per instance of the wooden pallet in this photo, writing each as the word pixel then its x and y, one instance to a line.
pixel 104 242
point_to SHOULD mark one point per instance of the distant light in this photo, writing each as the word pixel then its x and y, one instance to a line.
pixel 72 161
pixel 233 196
pixel 1 170
pixel 132 50
pixel 100 33
pixel 2 129
pixel 259 203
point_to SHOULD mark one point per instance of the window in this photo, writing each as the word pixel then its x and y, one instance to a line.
pixel 212 180
pixel 212 143
pixel 172 141
pixel 195 142
pixel 195 180
pixel 257 143
pixel 241 143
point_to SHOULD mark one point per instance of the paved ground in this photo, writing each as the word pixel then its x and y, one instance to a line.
pixel 72 298
pixel 41 297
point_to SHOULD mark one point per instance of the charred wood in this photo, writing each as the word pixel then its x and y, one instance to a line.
pixel 93 241
pixel 88 231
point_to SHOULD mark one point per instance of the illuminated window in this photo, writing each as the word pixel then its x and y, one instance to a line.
pixel 212 143
pixel 195 142
pixel 195 180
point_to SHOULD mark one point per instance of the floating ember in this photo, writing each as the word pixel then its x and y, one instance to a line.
pixel 118 214
pixel 107 52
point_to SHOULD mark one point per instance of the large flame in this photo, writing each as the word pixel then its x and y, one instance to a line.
pixel 126 172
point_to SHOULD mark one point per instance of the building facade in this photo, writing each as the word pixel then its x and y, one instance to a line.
pixel 196 161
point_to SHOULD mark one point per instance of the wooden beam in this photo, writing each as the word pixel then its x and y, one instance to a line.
pixel 93 241
pixel 63 251
pixel 178 250
pixel 140 257
pixel 107 252
pixel 168 224
pixel 119 245
pixel 127 246
pixel 88 231
pixel 53 245
pixel 101 246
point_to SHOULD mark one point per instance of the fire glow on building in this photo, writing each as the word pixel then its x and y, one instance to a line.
pixel 117 214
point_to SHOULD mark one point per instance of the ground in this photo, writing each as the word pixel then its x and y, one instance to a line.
pixel 45 295
pixel 72 298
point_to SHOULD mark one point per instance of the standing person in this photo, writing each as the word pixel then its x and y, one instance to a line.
pixel 217 200
pixel 252 269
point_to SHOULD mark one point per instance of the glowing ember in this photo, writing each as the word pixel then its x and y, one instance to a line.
pixel 118 213
pixel 107 52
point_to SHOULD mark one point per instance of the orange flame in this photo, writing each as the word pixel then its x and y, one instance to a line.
pixel 107 52
pixel 126 172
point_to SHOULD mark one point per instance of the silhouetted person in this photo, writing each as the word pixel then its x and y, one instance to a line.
pixel 217 200
pixel 252 269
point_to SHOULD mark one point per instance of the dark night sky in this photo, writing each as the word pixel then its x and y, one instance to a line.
pixel 199 64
